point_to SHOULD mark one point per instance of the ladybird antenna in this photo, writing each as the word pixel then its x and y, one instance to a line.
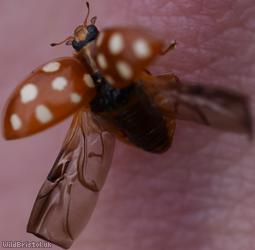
pixel 87 16
pixel 66 40
pixel 93 20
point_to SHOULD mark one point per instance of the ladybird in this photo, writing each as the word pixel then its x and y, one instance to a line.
pixel 106 87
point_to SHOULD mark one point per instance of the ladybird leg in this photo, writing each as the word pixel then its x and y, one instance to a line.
pixel 147 71
pixel 170 47
pixel 168 80
pixel 113 130
pixel 165 82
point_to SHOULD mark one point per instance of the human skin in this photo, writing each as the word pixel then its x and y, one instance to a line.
pixel 197 196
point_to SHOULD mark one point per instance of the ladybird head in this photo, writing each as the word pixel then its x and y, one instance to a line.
pixel 83 34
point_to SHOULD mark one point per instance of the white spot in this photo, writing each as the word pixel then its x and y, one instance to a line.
pixel 141 49
pixel 51 67
pixel 102 61
pixel 88 80
pixel 100 39
pixel 125 71
pixel 116 44
pixel 109 79
pixel 15 122
pixel 43 114
pixel 75 98
pixel 59 83
pixel 28 93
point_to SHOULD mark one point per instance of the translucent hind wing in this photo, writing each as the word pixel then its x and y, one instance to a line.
pixel 212 106
pixel 68 196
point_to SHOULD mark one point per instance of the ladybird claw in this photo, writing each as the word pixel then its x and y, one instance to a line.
pixel 171 46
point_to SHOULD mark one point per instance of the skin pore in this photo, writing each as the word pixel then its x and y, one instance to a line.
pixel 197 196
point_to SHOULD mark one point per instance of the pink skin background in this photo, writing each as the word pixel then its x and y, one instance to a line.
pixel 200 195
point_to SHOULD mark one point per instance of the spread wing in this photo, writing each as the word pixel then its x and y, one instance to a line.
pixel 48 95
pixel 216 107
pixel 121 53
pixel 69 194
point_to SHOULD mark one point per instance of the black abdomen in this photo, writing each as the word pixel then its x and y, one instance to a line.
pixel 132 111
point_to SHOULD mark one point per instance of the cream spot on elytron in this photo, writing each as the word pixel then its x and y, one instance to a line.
pixel 100 39
pixel 109 79
pixel 124 70
pixel 141 49
pixel 75 98
pixel 43 114
pixel 28 93
pixel 116 44
pixel 59 83
pixel 102 61
pixel 51 67
pixel 88 80
pixel 15 122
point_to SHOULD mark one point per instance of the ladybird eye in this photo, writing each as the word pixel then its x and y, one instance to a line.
pixel 92 29
pixel 76 45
